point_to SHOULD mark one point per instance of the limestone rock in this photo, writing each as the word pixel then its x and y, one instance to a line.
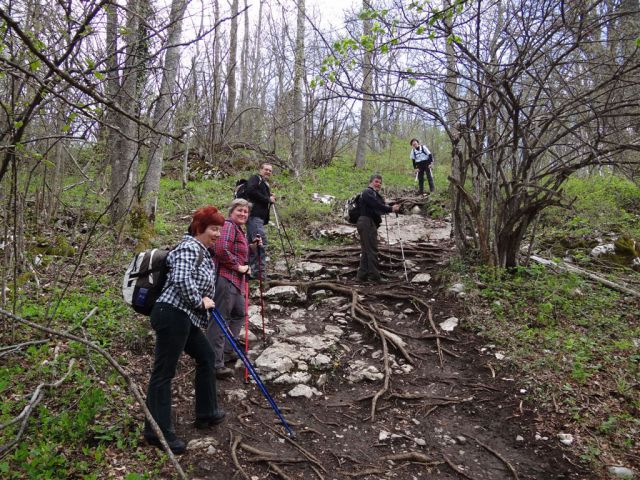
pixel 284 294
pixel 360 370
pixel 421 278
pixel 293 378
pixel 449 324
pixel 621 472
pixel 303 391
pixel 310 268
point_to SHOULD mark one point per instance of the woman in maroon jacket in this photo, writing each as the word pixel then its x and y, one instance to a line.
pixel 231 257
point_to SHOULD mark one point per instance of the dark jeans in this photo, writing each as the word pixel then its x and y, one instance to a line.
pixel 423 168
pixel 174 334
pixel 230 303
pixel 368 233
pixel 255 226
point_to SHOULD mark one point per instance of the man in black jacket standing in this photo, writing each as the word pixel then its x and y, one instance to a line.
pixel 372 207
pixel 259 194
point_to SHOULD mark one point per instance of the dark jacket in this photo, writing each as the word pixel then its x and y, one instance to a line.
pixel 259 194
pixel 372 205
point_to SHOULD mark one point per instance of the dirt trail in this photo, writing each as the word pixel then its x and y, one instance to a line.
pixel 451 421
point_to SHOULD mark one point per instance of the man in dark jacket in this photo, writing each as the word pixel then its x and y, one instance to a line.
pixel 372 207
pixel 259 194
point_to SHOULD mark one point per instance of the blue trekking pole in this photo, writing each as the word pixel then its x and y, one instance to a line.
pixel 227 333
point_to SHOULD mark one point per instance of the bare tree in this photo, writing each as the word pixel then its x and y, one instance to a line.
pixel 364 131
pixel 298 148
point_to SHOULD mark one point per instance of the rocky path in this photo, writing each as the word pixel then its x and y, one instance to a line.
pixel 377 381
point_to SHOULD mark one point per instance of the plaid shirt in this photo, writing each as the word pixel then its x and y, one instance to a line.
pixel 231 251
pixel 189 281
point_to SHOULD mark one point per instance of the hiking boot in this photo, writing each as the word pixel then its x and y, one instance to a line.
pixel 176 445
pixel 215 419
pixel 223 372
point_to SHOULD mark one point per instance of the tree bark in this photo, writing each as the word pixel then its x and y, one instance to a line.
pixel 161 113
pixel 298 149
pixel 367 81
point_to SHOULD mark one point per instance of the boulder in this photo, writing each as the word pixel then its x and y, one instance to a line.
pixel 284 294
pixel 303 391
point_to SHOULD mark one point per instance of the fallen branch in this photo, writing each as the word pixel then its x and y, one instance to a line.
pixel 236 441
pixel 435 330
pixel 455 468
pixel 36 397
pixel 585 273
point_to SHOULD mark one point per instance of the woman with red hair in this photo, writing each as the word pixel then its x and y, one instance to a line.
pixel 177 318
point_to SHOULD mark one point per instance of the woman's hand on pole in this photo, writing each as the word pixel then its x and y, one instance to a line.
pixel 207 303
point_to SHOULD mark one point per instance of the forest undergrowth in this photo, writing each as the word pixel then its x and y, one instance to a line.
pixel 575 343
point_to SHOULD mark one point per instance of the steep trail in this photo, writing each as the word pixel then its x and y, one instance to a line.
pixel 371 383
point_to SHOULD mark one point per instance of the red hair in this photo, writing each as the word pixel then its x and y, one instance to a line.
pixel 203 217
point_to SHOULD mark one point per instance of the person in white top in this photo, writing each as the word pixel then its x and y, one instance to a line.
pixel 422 160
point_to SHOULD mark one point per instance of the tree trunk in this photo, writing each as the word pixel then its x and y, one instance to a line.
pixel 367 81
pixel 231 71
pixel 298 107
pixel 161 113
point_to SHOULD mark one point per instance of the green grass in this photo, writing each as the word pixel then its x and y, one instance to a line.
pixel 572 340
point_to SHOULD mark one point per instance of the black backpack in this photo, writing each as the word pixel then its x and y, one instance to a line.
pixel 353 209
pixel 241 188
pixel 145 279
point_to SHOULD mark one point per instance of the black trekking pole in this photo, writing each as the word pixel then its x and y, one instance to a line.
pixel 286 235
pixel 284 253
pixel 227 333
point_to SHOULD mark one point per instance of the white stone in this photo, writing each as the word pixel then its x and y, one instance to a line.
pixel 322 380
pixel 303 391
pixel 500 356
pixel 311 268
pixel 519 438
pixel 202 443
pixel 235 395
pixel 449 324
pixel 565 438
pixel 415 210
pixel 333 330
pixel 408 310
pixel 406 368
pixel 291 328
pixel 293 378
pixel 250 336
pixel 338 231
pixel 326 199
pixel 359 370
pixel 321 361
pixel 276 357
pixel 420 441
pixel 603 250
pixel 383 435
pixel 421 278
pixel 284 293
pixel 319 293
pixel 387 313
pixel 621 472
pixel 457 288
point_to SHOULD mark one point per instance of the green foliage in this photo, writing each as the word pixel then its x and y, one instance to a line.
pixel 572 337
pixel 602 204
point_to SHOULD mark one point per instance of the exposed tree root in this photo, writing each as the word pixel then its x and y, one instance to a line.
pixel 489 449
